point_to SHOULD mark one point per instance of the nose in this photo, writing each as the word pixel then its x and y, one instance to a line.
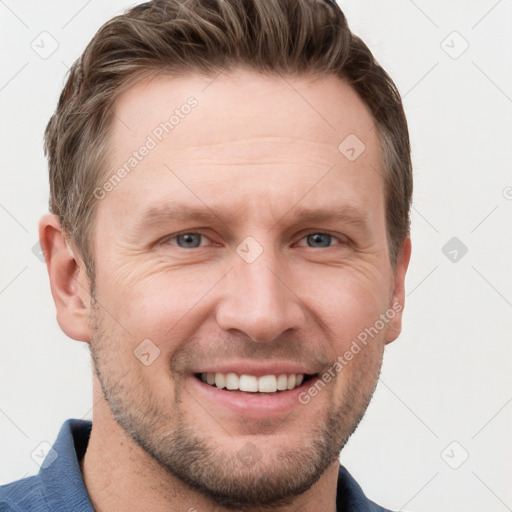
pixel 259 300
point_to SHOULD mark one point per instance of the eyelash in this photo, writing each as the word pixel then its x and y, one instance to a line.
pixel 343 240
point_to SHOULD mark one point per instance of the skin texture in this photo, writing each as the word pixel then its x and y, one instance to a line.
pixel 255 150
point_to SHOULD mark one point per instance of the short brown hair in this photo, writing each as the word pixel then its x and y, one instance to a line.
pixel 291 37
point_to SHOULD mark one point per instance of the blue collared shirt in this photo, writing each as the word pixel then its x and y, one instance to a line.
pixel 59 486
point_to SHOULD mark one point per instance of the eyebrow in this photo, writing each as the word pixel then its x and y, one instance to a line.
pixel 182 213
pixel 175 212
pixel 347 214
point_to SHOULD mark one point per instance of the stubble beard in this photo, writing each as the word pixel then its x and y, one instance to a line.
pixel 191 455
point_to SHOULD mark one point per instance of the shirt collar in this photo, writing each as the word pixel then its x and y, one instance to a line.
pixel 64 487
pixel 60 475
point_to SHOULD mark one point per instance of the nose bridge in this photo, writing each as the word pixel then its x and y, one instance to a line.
pixel 257 300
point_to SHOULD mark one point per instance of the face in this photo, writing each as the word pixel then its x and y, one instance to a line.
pixel 242 247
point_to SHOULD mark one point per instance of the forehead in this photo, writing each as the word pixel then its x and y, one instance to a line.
pixel 232 106
pixel 272 136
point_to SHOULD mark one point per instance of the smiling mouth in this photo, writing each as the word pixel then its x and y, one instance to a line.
pixel 267 384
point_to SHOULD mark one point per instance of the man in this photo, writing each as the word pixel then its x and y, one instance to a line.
pixel 229 231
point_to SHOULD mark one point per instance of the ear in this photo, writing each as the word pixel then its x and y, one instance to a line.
pixel 398 296
pixel 68 281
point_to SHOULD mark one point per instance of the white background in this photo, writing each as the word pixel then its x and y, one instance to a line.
pixel 447 378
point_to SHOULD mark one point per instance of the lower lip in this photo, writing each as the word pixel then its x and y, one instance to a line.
pixel 252 405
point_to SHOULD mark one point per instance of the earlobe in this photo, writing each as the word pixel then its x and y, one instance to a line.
pixel 398 298
pixel 69 285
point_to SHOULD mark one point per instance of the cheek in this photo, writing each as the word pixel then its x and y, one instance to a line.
pixel 167 305
pixel 348 301
pixel 155 303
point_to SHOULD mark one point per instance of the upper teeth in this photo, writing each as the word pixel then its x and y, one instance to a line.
pixel 252 384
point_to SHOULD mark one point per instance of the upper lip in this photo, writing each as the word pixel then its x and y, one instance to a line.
pixel 258 370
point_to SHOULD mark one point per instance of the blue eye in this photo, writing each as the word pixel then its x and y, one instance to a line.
pixel 193 240
pixel 319 240
pixel 188 240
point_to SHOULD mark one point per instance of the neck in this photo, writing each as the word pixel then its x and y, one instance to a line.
pixel 119 475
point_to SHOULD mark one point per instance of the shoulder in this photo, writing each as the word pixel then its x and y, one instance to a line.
pixel 351 498
pixel 59 486
pixel 22 495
